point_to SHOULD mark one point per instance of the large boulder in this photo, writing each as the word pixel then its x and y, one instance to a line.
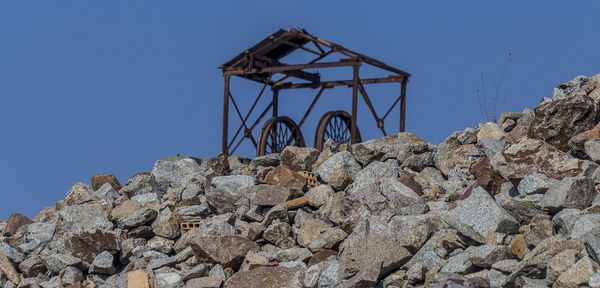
pixel 479 217
pixel 225 250
pixel 88 245
pixel 225 191
pixel 399 145
pixel 359 255
pixel 559 120
pixel 529 156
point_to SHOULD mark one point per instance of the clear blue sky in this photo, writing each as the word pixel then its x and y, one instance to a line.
pixel 111 86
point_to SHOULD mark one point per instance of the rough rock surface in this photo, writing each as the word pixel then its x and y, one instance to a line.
pixel 513 204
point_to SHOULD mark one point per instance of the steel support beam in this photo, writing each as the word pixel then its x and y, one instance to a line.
pixel 224 148
pixel 354 103
pixel 403 104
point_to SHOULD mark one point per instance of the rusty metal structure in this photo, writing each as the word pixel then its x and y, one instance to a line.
pixel 262 63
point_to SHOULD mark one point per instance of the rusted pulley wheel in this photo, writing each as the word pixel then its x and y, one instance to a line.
pixel 335 125
pixel 277 133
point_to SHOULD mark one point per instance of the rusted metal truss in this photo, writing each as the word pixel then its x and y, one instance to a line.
pixel 262 63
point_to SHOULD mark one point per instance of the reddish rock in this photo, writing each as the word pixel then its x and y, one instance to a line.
pixel 576 143
pixel 557 121
pixel 78 194
pixel 228 251
pixel 321 256
pixel 485 182
pixel 481 164
pixel 14 222
pixel 99 179
pixel 410 182
pixel 87 246
pixel 296 203
pixel 530 155
pixel 284 177
pixel 517 134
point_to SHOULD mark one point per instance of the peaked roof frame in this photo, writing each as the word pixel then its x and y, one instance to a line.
pixel 262 62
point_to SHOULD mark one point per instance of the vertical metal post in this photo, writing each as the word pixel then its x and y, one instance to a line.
pixel 224 148
pixel 275 114
pixel 353 133
pixel 403 104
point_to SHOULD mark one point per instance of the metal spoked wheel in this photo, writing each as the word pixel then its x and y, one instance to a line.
pixel 277 133
pixel 334 125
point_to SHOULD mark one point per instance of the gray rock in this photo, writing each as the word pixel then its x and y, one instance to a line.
pixel 445 160
pixel 138 218
pixel 225 191
pixel 145 198
pixel 372 173
pixel 339 170
pixel 57 262
pixel 460 264
pixel 382 253
pixel 166 225
pixel 490 146
pixel 594 280
pixel 168 174
pixel 54 282
pixel 534 184
pixel 583 224
pixel 41 231
pixel 479 216
pixel 270 160
pixel 506 266
pixel 278 233
pixel 103 264
pixel 71 275
pixel 571 192
pixel 11 253
pixel 270 195
pixel 419 162
pixel 330 275
pixel 293 254
pixel 193 213
pixel 163 262
pixel 412 231
pixel 85 218
pixel 191 190
pixel 591 239
pixel 199 270
pixel 486 255
pixel 160 244
pixel 168 280
pixel 217 225
pixel 526 119
pixel 497 278
pixel 430 177
pixel 578 274
pixel 592 149
pixel 140 184
pixel 399 145
pixel 318 196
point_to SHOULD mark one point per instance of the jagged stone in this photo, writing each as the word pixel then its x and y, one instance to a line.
pixel 88 245
pixel 100 179
pixel 225 191
pixel 267 277
pixel 225 250
pixel 8 269
pixel 204 282
pixel 270 195
pixel 168 280
pixel 14 222
pixel 137 218
pixel 57 262
pixel 578 274
pixel 557 121
pixel 166 225
pixel 339 170
pixel 478 216
pixel 298 158
pixel 103 264
pixel 399 145
pixel 85 218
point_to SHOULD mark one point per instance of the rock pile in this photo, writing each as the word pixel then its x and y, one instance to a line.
pixel 512 204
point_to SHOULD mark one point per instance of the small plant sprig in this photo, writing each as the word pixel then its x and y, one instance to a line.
pixel 489 113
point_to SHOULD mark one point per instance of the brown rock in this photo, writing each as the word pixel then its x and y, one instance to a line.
pixel 484 182
pixel 204 282
pixel 296 203
pixel 47 214
pixel 321 256
pixel 14 222
pixel 284 177
pixel 576 143
pixel 8 269
pixel 481 164
pixel 264 277
pixel 516 134
pixel 557 121
pixel 99 179
pixel 311 231
pixel 78 194
pixel 87 246
pixel 141 232
pixel 124 209
pixel 270 195
pixel 538 229
pixel 579 274
pixel 254 260
pixel 253 231
pixel 518 247
pixel 137 279
pixel 228 251
pixel 79 285
pixel 298 158
pixel 410 182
